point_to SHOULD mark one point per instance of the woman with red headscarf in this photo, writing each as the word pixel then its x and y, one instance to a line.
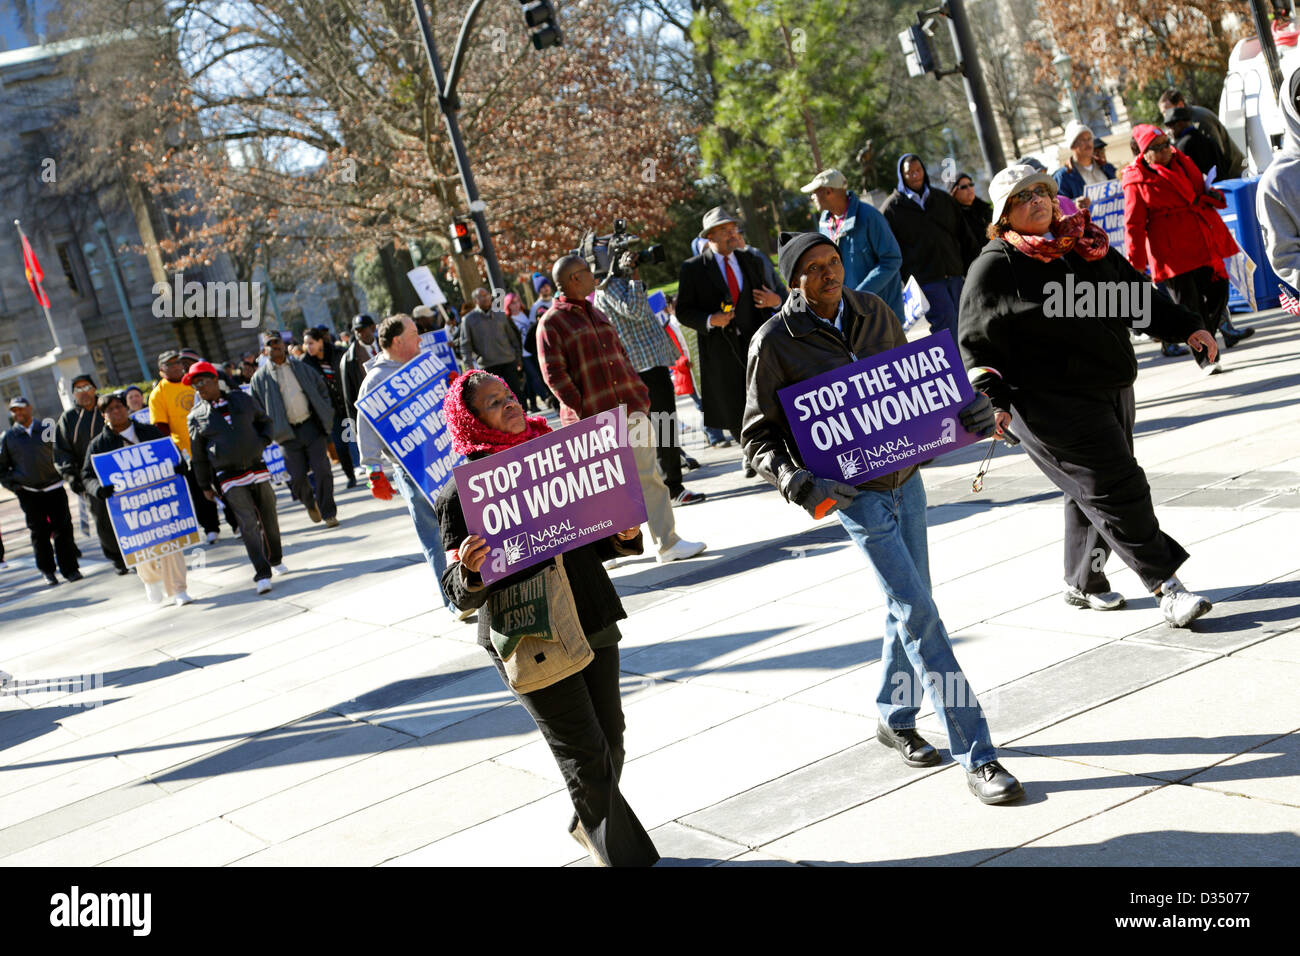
pixel 1171 221
pixel 580 716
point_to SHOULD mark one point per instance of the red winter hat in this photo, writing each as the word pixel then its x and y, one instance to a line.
pixel 1144 133
pixel 199 368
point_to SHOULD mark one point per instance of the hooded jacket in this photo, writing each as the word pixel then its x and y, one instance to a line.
pixel 1277 201
pixel 1171 222
pixel 932 238
pixel 372 448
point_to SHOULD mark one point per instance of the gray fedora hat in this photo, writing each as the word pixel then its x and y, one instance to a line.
pixel 717 216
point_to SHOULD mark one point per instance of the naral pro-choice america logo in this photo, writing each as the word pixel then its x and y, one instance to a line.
pixel 517 548
pixel 851 463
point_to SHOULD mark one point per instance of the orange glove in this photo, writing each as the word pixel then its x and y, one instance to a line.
pixel 379 486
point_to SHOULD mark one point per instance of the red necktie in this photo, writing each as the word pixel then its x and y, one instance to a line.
pixel 732 285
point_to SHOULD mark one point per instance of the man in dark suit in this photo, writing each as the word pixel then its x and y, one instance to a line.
pixel 722 295
pixel 360 351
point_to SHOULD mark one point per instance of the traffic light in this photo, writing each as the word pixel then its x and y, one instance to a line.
pixel 539 16
pixel 917 50
pixel 462 240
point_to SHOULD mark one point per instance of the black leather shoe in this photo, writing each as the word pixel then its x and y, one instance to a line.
pixel 911 745
pixel 992 784
pixel 121 569
pixel 72 575
pixel 51 580
pixel 1232 336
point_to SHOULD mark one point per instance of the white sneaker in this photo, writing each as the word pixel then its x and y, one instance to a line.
pixel 1211 369
pixel 280 569
pixel 181 598
pixel 611 564
pixel 682 549
pixel 212 537
pixel 263 585
pixel 1098 601
pixel 153 590
pixel 1179 605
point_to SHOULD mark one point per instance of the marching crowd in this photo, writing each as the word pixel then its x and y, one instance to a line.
pixel 737 331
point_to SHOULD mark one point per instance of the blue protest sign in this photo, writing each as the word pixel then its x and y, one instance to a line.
pixel 553 494
pixel 1107 210
pixel 150 510
pixel 883 413
pixel 141 416
pixel 406 412
pixel 439 343
pixel 658 303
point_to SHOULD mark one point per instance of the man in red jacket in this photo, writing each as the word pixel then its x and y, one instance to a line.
pixel 1171 221
pixel 584 363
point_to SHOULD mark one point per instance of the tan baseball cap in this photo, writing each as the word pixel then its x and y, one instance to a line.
pixel 827 177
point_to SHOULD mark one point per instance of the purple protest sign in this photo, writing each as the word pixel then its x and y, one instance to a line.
pixel 552 494
pixel 882 413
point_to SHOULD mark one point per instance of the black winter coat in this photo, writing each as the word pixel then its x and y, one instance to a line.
pixel 72 436
pixel 594 596
pixel 218 447
pixel 1008 343
pixel 701 291
pixel 934 240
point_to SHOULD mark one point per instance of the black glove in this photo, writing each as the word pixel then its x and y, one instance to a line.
pixel 820 496
pixel 182 467
pixel 104 491
pixel 979 417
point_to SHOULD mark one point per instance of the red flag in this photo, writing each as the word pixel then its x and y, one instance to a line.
pixel 35 275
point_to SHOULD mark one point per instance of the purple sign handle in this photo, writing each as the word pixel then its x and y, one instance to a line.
pixel 882 413
pixel 552 494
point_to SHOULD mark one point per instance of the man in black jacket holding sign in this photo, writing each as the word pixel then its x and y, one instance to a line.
pixel 818 330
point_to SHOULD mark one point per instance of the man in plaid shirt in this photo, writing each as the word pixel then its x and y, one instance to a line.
pixel 586 366
pixel 623 300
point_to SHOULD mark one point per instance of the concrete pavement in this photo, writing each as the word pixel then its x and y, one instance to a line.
pixel 345 719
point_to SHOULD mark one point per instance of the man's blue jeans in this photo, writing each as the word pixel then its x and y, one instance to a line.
pixel 426 529
pixel 944 295
pixel 889 528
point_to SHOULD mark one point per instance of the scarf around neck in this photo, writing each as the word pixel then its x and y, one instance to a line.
pixel 1076 231
pixel 469 435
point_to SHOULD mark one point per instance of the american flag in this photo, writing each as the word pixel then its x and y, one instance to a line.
pixel 1288 301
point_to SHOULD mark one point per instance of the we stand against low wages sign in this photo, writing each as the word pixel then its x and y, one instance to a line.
pixel 1107 210
pixel 151 510
pixel 883 413
pixel 406 412
pixel 552 494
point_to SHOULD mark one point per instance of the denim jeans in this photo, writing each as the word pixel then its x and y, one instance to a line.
pixel 889 528
pixel 943 296
pixel 426 529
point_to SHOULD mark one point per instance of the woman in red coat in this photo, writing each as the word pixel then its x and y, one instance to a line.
pixel 1171 222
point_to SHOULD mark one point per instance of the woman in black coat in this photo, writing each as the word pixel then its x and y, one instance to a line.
pixel 580 716
pixel 976 214
pixel 1043 331
pixel 163 578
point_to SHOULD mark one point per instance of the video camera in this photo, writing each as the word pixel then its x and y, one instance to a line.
pixel 603 252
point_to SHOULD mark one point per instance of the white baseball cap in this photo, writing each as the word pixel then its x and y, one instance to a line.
pixel 827 177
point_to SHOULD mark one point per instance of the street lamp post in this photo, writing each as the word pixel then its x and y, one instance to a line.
pixel 450 106
pixel 1062 62
pixel 112 264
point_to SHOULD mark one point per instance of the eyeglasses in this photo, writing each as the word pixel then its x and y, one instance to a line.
pixel 1029 195
pixel 966 186
pixel 83 387
pixel 1159 147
